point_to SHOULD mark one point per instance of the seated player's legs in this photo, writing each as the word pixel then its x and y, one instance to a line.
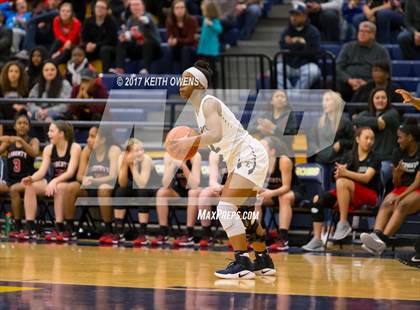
pixel 319 203
pixel 187 239
pixel 162 210
pixel 205 204
pixel 390 218
pixel 73 191
pixel 143 217
pixel 285 202
pixel 31 206
pixel 16 191
pixel 104 194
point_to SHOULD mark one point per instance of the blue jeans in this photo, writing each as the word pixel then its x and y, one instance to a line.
pixel 407 47
pixel 387 21
pixel 248 20
pixel 298 78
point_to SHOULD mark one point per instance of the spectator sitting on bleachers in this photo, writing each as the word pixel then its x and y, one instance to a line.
pixel 181 29
pixel 299 36
pixel 17 15
pixel 77 63
pixel 325 15
pixel 211 28
pixel 36 59
pixel 381 77
pixel 13 84
pixel 90 87
pixel 5 42
pixel 139 39
pixel 280 121
pixel 409 39
pixel 358 183
pixel 62 157
pixel 405 198
pixel 282 189
pixel 332 123
pixel 100 35
pixel 350 9
pixel 21 152
pixel 98 170
pixel 384 119
pixel 356 58
pixel 180 179
pixel 386 14
pixel 40 26
pixel 248 13
pixel 217 178
pixel 66 29
pixel 50 85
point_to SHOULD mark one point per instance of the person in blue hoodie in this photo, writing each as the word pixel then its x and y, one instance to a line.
pixel 300 36
pixel 209 44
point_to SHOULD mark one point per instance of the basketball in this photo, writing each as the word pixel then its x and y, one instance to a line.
pixel 178 133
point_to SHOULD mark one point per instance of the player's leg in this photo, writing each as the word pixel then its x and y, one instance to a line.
pixel 205 207
pixel 119 215
pixel 286 202
pixel 71 192
pixel 187 239
pixel 31 205
pixel 345 193
pixel 319 203
pixel 16 191
pixel 105 206
pixel 162 210
pixel 143 217
pixel 235 193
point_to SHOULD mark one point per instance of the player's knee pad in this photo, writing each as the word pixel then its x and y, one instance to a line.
pixel 228 217
pixel 326 200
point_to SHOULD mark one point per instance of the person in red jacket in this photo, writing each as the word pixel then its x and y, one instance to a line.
pixel 66 29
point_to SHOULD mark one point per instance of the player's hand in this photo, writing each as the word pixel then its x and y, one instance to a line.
pixel 51 189
pixel 183 143
pixel 216 188
pixel 27 181
pixel 336 147
pixel 87 181
pixel 340 171
pixel 265 194
pixel 405 94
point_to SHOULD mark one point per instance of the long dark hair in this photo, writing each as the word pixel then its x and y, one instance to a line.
pixel 67 129
pixel 411 127
pixel 372 108
pixel 278 145
pixel 55 86
pixel 171 17
pixel 22 87
pixel 354 160
pixel 35 71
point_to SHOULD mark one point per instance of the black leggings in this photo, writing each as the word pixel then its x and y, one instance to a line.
pixel 148 51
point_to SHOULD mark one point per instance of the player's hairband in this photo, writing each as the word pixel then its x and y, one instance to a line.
pixel 199 76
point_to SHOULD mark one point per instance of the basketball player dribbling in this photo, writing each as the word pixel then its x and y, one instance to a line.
pixel 247 163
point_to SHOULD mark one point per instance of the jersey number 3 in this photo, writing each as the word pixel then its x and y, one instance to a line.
pixel 16 165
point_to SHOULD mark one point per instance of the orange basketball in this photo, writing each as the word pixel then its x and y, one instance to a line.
pixel 178 133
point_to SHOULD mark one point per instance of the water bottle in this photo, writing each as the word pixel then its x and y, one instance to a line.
pixel 8 224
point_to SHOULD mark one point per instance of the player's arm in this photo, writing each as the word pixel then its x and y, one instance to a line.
pixel 45 164
pixel 141 179
pixel 123 172
pixel 213 115
pixel 4 143
pixel 193 176
pixel 408 98
pixel 214 169
pixel 168 171
pixel 32 148
pixel 84 158
pixel 286 167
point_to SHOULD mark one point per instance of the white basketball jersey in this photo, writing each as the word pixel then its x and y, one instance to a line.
pixel 233 134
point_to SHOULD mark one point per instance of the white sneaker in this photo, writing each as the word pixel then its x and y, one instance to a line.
pixel 314 246
pixel 342 231
pixel 372 243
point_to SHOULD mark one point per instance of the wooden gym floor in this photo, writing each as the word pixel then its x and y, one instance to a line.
pixel 52 276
